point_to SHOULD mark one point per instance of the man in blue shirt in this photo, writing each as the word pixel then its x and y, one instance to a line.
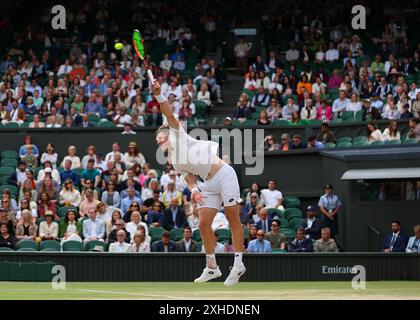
pixel 90 173
pixel 68 173
pixel 259 245
pixel 126 202
pixel 330 206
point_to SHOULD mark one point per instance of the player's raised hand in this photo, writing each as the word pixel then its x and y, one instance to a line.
pixel 156 88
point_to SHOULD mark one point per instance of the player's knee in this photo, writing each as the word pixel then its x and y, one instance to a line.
pixel 204 225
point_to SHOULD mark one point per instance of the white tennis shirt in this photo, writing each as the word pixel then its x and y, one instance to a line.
pixel 189 155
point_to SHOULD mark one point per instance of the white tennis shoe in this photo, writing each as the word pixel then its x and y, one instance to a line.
pixel 209 274
pixel 234 275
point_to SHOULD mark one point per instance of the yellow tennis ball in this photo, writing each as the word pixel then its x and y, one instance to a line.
pixel 118 46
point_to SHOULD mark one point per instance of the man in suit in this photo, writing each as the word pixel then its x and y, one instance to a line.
pixel 395 241
pixel 174 217
pixel 120 226
pixel 155 119
pixel 265 222
pixel 85 122
pixel 164 245
pixel 187 244
pixel 312 225
pixel 301 243
pixel 119 246
pixel 259 245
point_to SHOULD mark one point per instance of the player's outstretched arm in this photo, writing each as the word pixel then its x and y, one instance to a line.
pixel 164 106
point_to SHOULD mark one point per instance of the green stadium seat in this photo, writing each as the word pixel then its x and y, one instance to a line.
pixel 6 171
pixel 360 143
pixel 90 246
pixel 377 143
pixel 50 245
pixel 27 244
pixel 315 122
pixel 344 145
pixel 14 190
pixel 156 233
pixel 291 213
pixel 410 141
pixel 6 249
pixel 277 250
pixel 345 139
pixel 177 234
pixel 94 118
pixel 27 249
pixel 72 246
pixel 24 125
pixel 106 124
pixel 9 163
pixel 392 142
pixel 329 145
pixel 291 202
pixel 196 235
pixel 360 139
pixel 223 234
pixel 199 246
pixel 11 125
pixel 3 180
pixel 273 212
pixel 336 121
pixel 347 116
pixel 296 222
pixel 281 123
pixel 290 234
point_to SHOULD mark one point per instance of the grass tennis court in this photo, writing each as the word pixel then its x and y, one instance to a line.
pixel 174 291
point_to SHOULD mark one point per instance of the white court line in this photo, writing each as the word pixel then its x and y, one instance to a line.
pixel 132 294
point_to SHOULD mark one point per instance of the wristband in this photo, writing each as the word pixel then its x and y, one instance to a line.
pixel 160 98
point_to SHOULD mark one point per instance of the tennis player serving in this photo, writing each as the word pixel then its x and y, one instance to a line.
pixel 192 158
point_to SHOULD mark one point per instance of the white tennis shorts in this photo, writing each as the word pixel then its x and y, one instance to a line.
pixel 221 189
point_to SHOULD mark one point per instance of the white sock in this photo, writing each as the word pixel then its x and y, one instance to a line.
pixel 211 261
pixel 238 260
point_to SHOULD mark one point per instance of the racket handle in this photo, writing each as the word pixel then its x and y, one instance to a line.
pixel 150 74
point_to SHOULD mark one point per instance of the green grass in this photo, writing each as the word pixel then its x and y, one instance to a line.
pixel 215 291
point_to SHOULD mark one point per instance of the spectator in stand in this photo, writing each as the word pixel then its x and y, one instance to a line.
pixel 155 217
pixel 263 119
pixel 48 229
pixel 370 113
pixel 30 159
pixel 69 173
pixel 75 160
pixel 285 144
pixel 325 135
pixel 391 111
pixel 304 85
pixel 373 133
pixel 414 242
pixel 335 80
pixel 312 225
pixel 414 132
pixel 70 229
pixel 292 55
pixel 383 89
pixel 174 216
pixel 395 241
pixel 354 105
pixel 332 54
pixel 340 104
pixel 314 144
pixel 135 222
pixel 90 174
pixel 88 204
pixel 308 112
pixel 271 197
pixel 297 143
pixel 120 245
pixel 50 155
pixel 301 243
pixel 165 244
pixel 265 221
pixel 7 240
pixel 405 112
pixel 241 51
pixel 377 65
pixel 261 98
pixel 330 206
pixel 270 143
pixel 23 150
pixel 259 245
pixel 275 237
pixel 288 109
pixel 392 133
pixel 187 244
pixel 242 112
pixel 274 110
pixel 26 229
pixel 93 228
pixel 15 114
pixel 133 156
pixel 325 244
pixel 324 112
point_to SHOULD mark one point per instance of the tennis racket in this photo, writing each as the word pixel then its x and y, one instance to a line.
pixel 138 44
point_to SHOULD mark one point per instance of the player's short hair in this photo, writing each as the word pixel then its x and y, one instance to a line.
pixel 162 129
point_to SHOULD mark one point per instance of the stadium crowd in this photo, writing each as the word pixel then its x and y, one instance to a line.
pixel 118 202
pixel 75 78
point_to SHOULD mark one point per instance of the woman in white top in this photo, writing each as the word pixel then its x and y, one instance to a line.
pixel 133 156
pixel 204 94
pixel 69 196
pixel 140 244
pixel 262 81
pixel 392 133
pixel 251 81
pixel 191 88
pixel 37 123
pixel 54 173
pixel 373 133
pixel 50 155
pixel 135 222
pixel 75 160
pixel 69 228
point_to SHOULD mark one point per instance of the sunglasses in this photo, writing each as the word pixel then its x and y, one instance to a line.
pixel 118 224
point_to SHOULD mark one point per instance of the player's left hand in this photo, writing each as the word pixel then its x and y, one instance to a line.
pixel 197 197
